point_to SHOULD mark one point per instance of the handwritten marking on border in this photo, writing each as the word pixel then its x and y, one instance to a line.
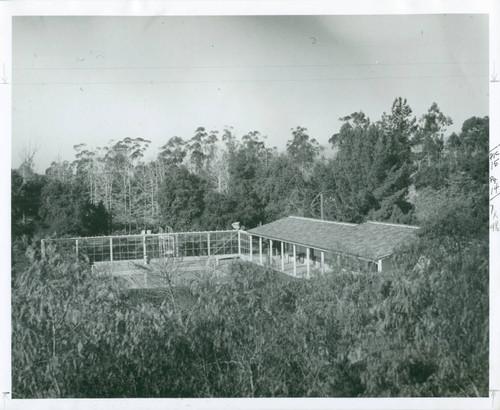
pixel 494 182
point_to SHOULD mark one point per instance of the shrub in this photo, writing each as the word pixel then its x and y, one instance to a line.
pixel 421 331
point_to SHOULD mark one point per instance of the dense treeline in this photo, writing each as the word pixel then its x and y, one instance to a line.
pixel 214 179
pixel 421 330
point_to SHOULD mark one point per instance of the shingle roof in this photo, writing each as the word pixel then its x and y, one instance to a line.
pixel 369 240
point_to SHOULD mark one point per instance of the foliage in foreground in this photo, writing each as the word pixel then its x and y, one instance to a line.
pixel 422 331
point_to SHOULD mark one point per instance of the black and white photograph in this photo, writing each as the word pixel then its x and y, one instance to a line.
pixel 240 206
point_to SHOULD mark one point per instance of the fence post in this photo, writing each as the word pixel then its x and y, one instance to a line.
pixel 282 257
pixel 144 249
pixel 111 249
pixel 208 243
pixel 250 239
pixel 260 249
pixel 176 245
pixel 308 263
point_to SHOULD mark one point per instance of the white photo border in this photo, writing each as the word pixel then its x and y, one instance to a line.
pixel 233 8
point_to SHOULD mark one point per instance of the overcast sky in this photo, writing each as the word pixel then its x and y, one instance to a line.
pixel 95 79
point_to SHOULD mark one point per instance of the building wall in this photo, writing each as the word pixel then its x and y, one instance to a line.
pixel 335 261
pixel 388 264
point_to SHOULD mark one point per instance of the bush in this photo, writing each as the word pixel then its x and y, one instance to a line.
pixel 422 331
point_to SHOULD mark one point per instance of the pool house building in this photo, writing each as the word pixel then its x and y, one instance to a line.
pixel 297 245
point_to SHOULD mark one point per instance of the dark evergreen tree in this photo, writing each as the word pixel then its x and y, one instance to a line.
pixel 285 190
pixel 372 166
pixel 468 151
pixel 428 141
pixel 66 210
pixel 25 203
pixel 250 161
pixel 181 199
pixel 218 212
pixel 94 219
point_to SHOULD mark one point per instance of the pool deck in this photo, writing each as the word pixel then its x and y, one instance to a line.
pixel 159 273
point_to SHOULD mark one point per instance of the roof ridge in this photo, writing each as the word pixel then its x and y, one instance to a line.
pixel 322 220
pixel 393 224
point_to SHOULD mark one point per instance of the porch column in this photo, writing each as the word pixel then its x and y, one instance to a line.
pixel 308 262
pixel 239 243
pixel 379 265
pixel 294 260
pixel 282 257
pixel 42 248
pixel 208 243
pixel 144 249
pixel 271 251
pixel 76 245
pixel 260 250
pixel 251 247
pixel 176 245
pixel 322 261
pixel 111 249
